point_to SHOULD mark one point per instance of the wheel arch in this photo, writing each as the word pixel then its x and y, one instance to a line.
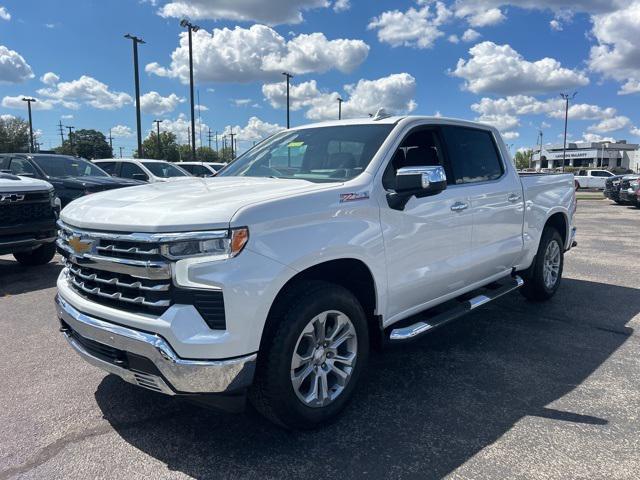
pixel 350 273
pixel 560 222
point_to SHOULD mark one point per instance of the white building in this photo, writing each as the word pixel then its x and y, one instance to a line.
pixel 589 155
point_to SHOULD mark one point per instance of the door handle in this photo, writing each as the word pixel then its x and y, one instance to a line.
pixel 459 206
pixel 514 197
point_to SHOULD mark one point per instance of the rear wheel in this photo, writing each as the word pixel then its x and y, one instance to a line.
pixel 38 256
pixel 310 364
pixel 542 278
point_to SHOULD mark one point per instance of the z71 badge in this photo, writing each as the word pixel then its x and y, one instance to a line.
pixel 352 197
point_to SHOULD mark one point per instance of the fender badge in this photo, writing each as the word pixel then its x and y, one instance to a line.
pixel 353 197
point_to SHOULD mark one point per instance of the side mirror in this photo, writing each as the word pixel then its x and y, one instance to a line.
pixel 416 181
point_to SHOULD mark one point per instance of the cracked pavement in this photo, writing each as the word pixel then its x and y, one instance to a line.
pixel 513 390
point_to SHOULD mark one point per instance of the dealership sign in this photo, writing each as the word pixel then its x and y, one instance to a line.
pixel 573 154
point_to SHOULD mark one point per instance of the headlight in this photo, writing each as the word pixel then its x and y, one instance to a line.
pixel 219 243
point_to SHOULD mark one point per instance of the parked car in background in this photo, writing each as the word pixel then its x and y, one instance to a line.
pixel 630 190
pixel 202 169
pixel 28 213
pixel 72 177
pixel 612 188
pixel 274 277
pixel 145 170
pixel 592 178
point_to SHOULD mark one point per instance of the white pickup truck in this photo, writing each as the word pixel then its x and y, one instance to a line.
pixel 592 178
pixel 273 279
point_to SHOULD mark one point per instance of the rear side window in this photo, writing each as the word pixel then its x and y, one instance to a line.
pixel 129 170
pixel 21 166
pixel 473 154
pixel 109 167
pixel 188 168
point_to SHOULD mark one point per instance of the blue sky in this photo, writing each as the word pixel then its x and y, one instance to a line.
pixel 408 56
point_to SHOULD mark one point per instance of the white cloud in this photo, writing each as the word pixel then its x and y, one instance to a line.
pixel 241 102
pixel 86 90
pixel 4 14
pixel 156 104
pixel 585 111
pixel 254 131
pixel 259 53
pixel 510 135
pixel 617 54
pixel 121 131
pixel 341 5
pixel 272 12
pixel 635 131
pixel 17 103
pixel 49 78
pixel 417 28
pixel 470 35
pixel 393 93
pixel 500 121
pixel 594 137
pixel 13 67
pixel 555 25
pixel 453 39
pixel 66 117
pixel 610 124
pixel 6 117
pixel 180 127
pixel 500 69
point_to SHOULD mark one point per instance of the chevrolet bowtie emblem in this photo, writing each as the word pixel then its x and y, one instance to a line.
pixel 79 246
pixel 11 198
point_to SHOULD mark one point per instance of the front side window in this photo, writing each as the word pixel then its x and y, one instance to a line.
pixel 63 166
pixel 321 154
pixel 109 167
pixel 21 166
pixel 164 169
pixel 131 170
pixel 473 154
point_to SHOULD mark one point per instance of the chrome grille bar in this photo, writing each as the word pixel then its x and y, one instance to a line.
pixel 93 277
pixel 132 250
pixel 118 296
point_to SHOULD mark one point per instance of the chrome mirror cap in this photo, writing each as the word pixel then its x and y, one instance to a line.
pixel 429 175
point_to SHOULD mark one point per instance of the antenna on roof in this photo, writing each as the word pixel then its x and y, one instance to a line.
pixel 380 114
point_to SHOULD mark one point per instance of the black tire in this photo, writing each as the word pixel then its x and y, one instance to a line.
pixel 535 288
pixel 39 256
pixel 272 393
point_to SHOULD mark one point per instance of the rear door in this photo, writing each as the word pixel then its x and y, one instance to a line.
pixel 495 199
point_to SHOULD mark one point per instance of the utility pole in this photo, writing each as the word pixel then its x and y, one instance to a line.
pixel 158 122
pixel 136 41
pixel 60 128
pixel 184 23
pixel 111 141
pixel 209 138
pixel 216 140
pixel 289 77
pixel 340 108
pixel 69 136
pixel 120 151
pixel 231 134
pixel 566 98
pixel 29 100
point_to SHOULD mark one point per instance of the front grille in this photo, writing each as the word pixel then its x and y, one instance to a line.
pixel 26 211
pixel 122 272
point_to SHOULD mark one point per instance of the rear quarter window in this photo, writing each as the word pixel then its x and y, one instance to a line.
pixel 473 154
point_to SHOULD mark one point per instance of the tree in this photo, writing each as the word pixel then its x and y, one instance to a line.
pixel 168 147
pixel 14 135
pixel 89 144
pixel 523 159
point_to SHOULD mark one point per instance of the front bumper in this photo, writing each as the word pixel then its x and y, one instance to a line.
pixel 147 359
pixel 26 236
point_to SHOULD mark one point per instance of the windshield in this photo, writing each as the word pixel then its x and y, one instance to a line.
pixel 322 154
pixel 61 166
pixel 164 169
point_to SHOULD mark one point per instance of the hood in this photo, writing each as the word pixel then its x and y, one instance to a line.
pixel 193 204
pixel 14 183
pixel 96 183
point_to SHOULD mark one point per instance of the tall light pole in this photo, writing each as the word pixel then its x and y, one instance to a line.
pixel 29 100
pixel 340 100
pixel 158 122
pixel 566 98
pixel 136 41
pixel 184 23
pixel 289 77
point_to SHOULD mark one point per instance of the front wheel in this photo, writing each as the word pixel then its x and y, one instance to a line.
pixel 542 278
pixel 309 366
pixel 38 256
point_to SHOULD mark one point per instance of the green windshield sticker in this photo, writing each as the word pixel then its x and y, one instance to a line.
pixel 295 144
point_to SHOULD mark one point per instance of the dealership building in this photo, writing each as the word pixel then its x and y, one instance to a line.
pixel 606 155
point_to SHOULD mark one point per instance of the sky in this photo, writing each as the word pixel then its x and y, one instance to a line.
pixel 494 61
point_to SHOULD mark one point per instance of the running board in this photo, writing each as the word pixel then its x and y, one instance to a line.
pixel 419 328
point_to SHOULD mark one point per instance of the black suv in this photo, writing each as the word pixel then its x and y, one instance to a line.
pixel 28 213
pixel 71 177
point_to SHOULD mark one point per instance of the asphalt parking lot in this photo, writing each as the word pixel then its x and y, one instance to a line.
pixel 514 390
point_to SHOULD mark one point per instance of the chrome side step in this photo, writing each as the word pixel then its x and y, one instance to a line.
pixel 421 327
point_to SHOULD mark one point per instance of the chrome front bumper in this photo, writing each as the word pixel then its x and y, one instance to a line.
pixel 172 375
